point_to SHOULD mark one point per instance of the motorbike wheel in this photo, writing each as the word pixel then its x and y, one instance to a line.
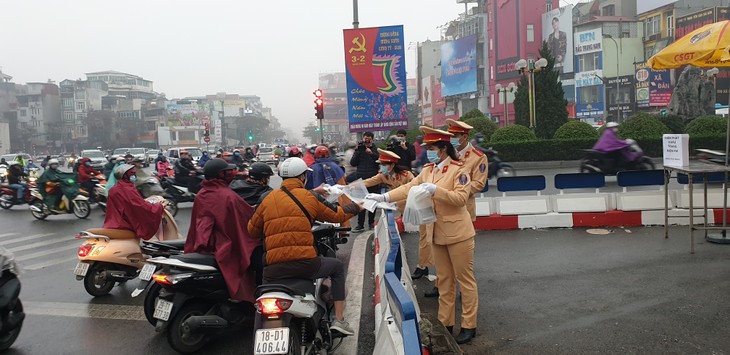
pixel 171 207
pixel 295 340
pixel 645 164
pixel 82 209
pixel 149 303
pixel 179 336
pixel 7 339
pixel 506 171
pixel 39 215
pixel 5 204
pixel 95 283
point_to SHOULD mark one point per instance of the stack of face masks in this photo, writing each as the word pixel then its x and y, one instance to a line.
pixel 419 207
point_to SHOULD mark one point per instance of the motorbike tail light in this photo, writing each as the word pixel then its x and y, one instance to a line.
pixel 161 279
pixel 272 306
pixel 84 250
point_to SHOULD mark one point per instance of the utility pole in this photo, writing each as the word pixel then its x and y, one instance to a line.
pixel 355 21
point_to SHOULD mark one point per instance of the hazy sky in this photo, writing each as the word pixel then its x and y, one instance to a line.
pixel 273 49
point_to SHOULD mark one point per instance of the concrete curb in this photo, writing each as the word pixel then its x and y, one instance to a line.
pixel 354 286
pixel 560 164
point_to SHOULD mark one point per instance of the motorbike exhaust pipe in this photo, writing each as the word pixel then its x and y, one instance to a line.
pixel 117 276
pixel 205 323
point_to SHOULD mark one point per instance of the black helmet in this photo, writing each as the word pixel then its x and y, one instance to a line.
pixel 214 166
pixel 260 170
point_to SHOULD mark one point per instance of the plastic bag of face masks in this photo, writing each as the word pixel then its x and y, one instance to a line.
pixel 419 207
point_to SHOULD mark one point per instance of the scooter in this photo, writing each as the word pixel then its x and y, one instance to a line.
pixel 611 163
pixel 292 315
pixel 79 206
pixel 108 256
pixel 7 195
pixel 176 193
pixel 497 167
pixel 11 309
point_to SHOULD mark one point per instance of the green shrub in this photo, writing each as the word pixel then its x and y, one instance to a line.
pixel 575 130
pixel 673 122
pixel 707 125
pixel 642 125
pixel 481 124
pixel 514 133
pixel 472 114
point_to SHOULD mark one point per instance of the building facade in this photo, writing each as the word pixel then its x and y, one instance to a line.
pixel 78 99
pixel 38 122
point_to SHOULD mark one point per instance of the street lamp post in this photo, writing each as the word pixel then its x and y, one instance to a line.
pixel 619 117
pixel 531 67
pixel 511 87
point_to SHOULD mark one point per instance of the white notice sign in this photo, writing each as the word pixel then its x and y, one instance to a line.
pixel 676 149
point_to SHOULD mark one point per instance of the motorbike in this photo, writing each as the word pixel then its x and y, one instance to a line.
pixel 153 187
pixel 292 315
pixel 79 206
pixel 3 172
pixel 100 191
pixel 611 163
pixel 11 309
pixel 497 167
pixel 108 256
pixel 174 192
pixel 7 195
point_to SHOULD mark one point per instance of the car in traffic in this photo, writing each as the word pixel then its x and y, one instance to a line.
pixel 136 152
pixel 266 155
pixel 96 156
pixel 10 157
pixel 173 154
pixel 152 155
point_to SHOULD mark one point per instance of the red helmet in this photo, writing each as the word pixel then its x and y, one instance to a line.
pixel 294 151
pixel 321 152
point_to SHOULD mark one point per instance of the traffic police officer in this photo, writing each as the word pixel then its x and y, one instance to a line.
pixel 474 161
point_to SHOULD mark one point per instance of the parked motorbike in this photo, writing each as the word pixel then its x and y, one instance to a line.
pixel 79 206
pixel 611 163
pixel 292 315
pixel 11 309
pixel 108 256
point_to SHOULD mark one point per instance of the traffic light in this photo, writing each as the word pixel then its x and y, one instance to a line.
pixel 319 103
pixel 664 112
pixel 206 133
pixel 250 135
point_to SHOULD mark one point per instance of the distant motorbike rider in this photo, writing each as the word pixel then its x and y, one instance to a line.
pixel 324 170
pixel 295 152
pixel 110 179
pixel 185 172
pixel 163 166
pixel 248 156
pixel 237 159
pixel 218 227
pixel 143 178
pixel 54 183
pixel 86 172
pixel 252 188
pixel 15 174
pixel 126 209
pixel 108 167
pixel 203 159
pixel 614 147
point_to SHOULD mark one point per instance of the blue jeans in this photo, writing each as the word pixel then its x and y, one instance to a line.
pixel 19 190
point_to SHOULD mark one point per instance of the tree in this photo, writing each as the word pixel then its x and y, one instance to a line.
pixel 480 122
pixel 311 132
pixel 550 102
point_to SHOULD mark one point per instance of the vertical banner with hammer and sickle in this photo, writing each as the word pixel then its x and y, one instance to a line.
pixel 376 78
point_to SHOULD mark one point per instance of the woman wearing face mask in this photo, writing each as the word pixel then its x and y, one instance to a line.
pixel 453 232
pixel 390 175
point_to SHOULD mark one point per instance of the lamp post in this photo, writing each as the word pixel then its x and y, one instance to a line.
pixel 619 117
pixel 531 67
pixel 511 87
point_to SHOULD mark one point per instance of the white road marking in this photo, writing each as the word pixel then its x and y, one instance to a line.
pixel 49 263
pixel 30 237
pixel 84 310
pixel 7 235
pixel 40 244
pixel 355 276
pixel 46 252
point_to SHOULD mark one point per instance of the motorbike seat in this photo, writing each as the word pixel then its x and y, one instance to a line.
pixel 197 258
pixel 169 244
pixel 113 233
pixel 296 287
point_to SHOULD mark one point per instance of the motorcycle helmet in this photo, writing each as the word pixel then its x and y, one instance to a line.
pixel 294 151
pixel 51 162
pixel 293 167
pixel 121 170
pixel 13 162
pixel 260 170
pixel 214 166
pixel 611 124
pixel 321 152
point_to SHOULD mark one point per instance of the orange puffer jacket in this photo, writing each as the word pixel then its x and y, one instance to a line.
pixel 286 229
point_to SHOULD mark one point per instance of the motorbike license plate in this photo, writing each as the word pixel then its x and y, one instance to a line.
pixel 162 310
pixel 147 271
pixel 81 269
pixel 272 341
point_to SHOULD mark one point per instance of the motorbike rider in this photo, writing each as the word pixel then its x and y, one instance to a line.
pixel 309 154
pixel 248 156
pixel 284 220
pixel 295 152
pixel 142 178
pixel 203 158
pixel 163 166
pixel 86 172
pixel 324 170
pixel 613 146
pixel 255 185
pixel 185 172
pixel 218 227
pixel 55 183
pixel 111 179
pixel 15 174
pixel 126 209
pixel 237 159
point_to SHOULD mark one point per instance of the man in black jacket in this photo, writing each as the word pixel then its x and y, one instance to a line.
pixel 364 160
pixel 405 151
pixel 185 172
pixel 256 185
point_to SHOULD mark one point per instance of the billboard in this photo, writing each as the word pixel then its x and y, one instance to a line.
pixel 641 84
pixel 507 37
pixel 688 23
pixel 660 88
pixel 186 113
pixel 557 31
pixel 427 100
pixel 376 78
pixel 459 66
pixel 626 84
pixel 588 41
pixel 439 106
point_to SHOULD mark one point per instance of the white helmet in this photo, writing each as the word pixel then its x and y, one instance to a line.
pixel 53 161
pixel 293 167
pixel 13 162
pixel 611 124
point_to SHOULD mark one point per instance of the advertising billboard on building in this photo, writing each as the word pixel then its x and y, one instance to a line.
pixel 439 106
pixel 660 88
pixel 459 66
pixel 642 74
pixel 688 23
pixel 626 97
pixel 588 41
pixel 506 39
pixel 557 30
pixel 186 113
pixel 427 100
pixel 376 78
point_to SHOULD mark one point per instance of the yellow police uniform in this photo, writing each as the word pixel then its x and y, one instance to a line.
pixel 475 162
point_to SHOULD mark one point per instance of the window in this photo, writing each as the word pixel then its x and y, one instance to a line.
pixel 68 116
pixel 548 6
pixel 35 111
pixel 652 25
pixel 670 26
pixel 589 94
pixel 609 10
pixel 23 113
pixel 491 100
pixel 590 61
pixel 68 103
pixel 530 33
pixel 80 105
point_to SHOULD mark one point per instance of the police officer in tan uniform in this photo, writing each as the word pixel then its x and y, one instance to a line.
pixel 474 161
pixel 453 232
pixel 390 174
